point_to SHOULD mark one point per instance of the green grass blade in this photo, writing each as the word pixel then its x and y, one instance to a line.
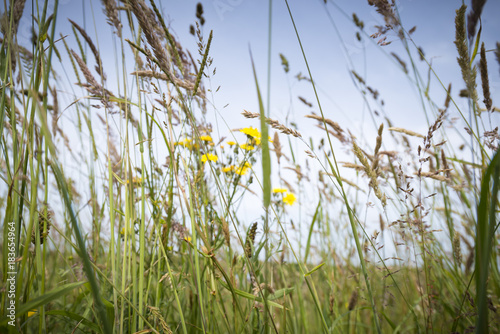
pixel 486 221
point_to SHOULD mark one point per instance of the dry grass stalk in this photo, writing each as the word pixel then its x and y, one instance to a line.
pixel 433 175
pixel 353 300
pixel 274 124
pixel 401 62
pixel 157 315
pixel 75 69
pixel 406 132
pixel 391 154
pixel 310 154
pixel 353 166
pixel 457 251
pixel 277 147
pixel 111 11
pixel 335 126
pixel 352 184
pixel 386 10
pixel 448 97
pixel 497 52
pixel 377 147
pixel 358 77
pixel 188 85
pixel 491 139
pixel 331 304
pixel 468 74
pixel 446 167
pixel 434 127
pixel 340 137
pixel 225 231
pixel 309 104
pixel 370 172
pixel 17 10
pixel 151 29
pixel 93 48
pixel 92 86
pixel 483 69
pixel 250 240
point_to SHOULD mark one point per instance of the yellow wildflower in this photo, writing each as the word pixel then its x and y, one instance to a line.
pixel 252 132
pixel 228 169
pixel 247 147
pixel 280 190
pixel 289 199
pixel 206 138
pixel 231 143
pixel 31 313
pixel 243 169
pixel 209 156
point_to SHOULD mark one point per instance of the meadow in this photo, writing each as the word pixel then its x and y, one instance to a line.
pixel 125 209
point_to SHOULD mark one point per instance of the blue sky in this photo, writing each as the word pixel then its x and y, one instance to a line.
pixel 243 24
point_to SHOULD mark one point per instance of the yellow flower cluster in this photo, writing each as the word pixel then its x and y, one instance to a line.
pixel 209 157
pixel 247 147
pixel 243 169
pixel 206 138
pixel 187 143
pixel 288 197
pixel 253 133
pixel 240 170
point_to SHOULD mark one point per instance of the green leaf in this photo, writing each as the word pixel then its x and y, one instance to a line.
pixel 485 231
pixel 476 46
pixel 77 318
pixel 280 293
pixel 43 299
pixel 309 237
pixel 314 269
pixel 266 158
pixel 247 295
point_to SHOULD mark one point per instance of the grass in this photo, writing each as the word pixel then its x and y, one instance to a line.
pixel 148 234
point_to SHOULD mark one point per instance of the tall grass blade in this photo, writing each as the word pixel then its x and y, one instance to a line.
pixel 485 232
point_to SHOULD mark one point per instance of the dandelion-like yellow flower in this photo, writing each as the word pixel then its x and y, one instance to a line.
pixel 187 143
pixel 242 170
pixel 247 147
pixel 228 169
pixel 252 132
pixel 280 190
pixel 231 143
pixel 206 138
pixel 289 199
pixel 209 156
pixel 31 313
